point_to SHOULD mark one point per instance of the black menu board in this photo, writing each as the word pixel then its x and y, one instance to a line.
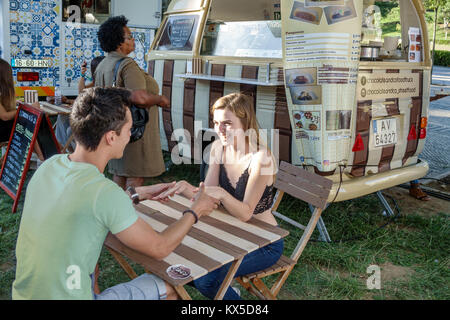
pixel 179 33
pixel 30 125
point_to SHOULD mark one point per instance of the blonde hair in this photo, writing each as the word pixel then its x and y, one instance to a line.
pixel 7 93
pixel 241 105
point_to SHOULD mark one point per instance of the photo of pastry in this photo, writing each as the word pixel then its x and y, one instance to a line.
pixel 335 14
pixel 323 3
pixel 306 95
pixel 301 76
pixel 309 15
pixel 306 120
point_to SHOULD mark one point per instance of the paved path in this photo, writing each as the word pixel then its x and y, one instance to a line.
pixel 437 145
pixel 441 76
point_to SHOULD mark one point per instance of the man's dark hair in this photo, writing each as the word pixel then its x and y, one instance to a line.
pixel 111 33
pixel 97 111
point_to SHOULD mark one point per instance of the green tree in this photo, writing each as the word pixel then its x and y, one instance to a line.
pixel 435 5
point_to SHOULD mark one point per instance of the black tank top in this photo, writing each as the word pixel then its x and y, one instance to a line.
pixel 264 203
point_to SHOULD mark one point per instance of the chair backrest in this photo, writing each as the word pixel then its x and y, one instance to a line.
pixel 304 185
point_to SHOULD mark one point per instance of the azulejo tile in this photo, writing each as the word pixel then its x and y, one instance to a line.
pixel 13 5
pixel 25 5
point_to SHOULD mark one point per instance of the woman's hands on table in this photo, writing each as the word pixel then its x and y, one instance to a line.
pixel 203 203
pixel 181 187
pixel 157 192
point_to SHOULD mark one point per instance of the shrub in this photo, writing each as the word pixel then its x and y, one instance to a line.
pixel 442 58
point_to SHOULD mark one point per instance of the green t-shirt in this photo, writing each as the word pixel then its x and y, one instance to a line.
pixel 69 209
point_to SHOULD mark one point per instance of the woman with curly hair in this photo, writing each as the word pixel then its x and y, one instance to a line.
pixel 142 158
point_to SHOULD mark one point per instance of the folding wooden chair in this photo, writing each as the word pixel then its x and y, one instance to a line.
pixel 310 188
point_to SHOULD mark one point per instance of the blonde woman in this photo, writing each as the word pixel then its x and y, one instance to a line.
pixel 241 175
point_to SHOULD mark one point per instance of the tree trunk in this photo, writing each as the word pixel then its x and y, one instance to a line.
pixel 436 9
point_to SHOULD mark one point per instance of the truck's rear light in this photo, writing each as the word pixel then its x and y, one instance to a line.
pixel 359 144
pixel 27 76
pixel 423 122
pixel 412 133
pixel 423 133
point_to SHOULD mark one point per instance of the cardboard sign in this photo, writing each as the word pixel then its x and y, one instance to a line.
pixel 30 125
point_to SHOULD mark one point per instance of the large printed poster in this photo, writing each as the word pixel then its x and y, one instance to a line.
pixel 321 49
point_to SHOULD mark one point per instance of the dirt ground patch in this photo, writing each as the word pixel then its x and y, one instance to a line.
pixel 410 205
pixel 391 272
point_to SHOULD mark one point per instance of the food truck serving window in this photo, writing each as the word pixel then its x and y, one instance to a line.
pixel 391 32
pixel 179 33
pixel 257 39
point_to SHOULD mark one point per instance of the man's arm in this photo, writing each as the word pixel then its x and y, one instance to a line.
pixel 141 237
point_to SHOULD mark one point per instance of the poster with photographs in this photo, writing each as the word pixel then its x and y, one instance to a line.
pixel 321 60
pixel 309 15
pixel 415 45
pixel 301 76
pixel 335 14
pixel 306 95
pixel 306 120
pixel 323 3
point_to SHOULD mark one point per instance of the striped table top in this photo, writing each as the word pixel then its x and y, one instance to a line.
pixel 52 109
pixel 214 241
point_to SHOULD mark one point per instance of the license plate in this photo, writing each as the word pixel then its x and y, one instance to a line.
pixel 385 132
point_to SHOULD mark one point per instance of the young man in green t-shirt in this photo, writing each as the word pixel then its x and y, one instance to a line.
pixel 70 207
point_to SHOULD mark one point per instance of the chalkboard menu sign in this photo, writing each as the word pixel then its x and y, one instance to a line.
pixel 179 33
pixel 30 125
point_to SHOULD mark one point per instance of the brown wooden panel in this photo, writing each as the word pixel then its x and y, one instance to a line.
pixel 155 266
pixel 303 174
pixel 189 109
pixel 364 116
pixel 151 68
pixel 216 88
pixel 285 147
pixel 414 120
pixel 361 157
pixel 420 72
pixel 386 158
pixel 238 232
pixel 282 123
pixel 282 119
pixel 300 194
pixel 190 254
pixel 250 72
pixel 199 235
pixel 303 184
pixel 167 92
pixel 392 107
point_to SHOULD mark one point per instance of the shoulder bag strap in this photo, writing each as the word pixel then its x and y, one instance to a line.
pixel 116 69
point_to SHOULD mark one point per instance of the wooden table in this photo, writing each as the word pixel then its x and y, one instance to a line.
pixel 214 241
pixel 53 110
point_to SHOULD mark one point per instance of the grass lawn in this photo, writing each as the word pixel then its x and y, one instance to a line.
pixel 412 251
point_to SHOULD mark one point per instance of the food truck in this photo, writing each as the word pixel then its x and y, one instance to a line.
pixel 333 93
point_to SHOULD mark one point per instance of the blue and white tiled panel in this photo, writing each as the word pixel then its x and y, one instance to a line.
pixel 81 44
pixel 34 25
